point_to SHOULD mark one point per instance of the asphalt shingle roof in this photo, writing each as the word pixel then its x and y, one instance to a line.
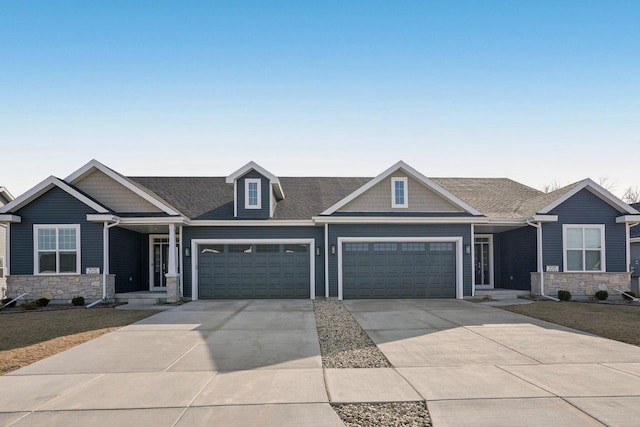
pixel 208 198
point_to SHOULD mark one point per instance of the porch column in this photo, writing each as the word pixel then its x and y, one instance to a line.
pixel 173 289
pixel 172 250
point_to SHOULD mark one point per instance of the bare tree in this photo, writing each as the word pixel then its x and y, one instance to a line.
pixel 607 183
pixel 551 187
pixel 631 195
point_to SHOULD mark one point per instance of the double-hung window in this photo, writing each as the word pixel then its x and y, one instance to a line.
pixel 399 196
pixel 57 249
pixel 252 193
pixel 583 247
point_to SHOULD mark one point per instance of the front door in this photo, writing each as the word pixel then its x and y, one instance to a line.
pixel 483 252
pixel 159 261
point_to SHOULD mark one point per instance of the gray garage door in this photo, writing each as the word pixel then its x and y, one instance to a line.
pixel 253 271
pixel 399 270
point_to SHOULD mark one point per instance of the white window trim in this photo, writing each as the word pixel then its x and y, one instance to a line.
pixel 603 259
pixel 3 268
pixel 248 181
pixel 36 259
pixel 393 193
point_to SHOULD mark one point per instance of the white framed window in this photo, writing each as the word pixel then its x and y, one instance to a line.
pixel 583 247
pixel 2 272
pixel 253 193
pixel 399 194
pixel 56 249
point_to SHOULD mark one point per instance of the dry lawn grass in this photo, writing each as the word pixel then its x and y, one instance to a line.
pixel 617 322
pixel 26 337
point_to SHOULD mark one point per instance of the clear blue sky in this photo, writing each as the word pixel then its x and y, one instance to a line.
pixel 532 90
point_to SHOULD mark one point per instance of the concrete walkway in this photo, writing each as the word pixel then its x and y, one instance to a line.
pixel 238 363
pixel 480 366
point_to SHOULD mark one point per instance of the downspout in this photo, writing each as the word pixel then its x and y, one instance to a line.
pixel 538 227
pixel 105 256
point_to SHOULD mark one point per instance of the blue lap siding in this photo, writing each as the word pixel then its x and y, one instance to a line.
pixel 389 230
pixel 127 256
pixel 230 233
pixel 586 208
pixel 54 207
pixel 517 254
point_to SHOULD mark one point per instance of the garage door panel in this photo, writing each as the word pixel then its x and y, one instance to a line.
pixel 254 271
pixel 399 270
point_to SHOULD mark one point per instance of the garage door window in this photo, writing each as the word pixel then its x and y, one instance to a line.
pixel 414 247
pixel 240 249
pixel 385 247
pixel 441 247
pixel 264 249
pixel 296 249
pixel 356 247
pixel 214 249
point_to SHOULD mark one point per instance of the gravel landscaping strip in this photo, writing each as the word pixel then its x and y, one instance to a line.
pixel 343 343
pixel 412 414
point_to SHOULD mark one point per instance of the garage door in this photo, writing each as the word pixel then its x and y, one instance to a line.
pixel 253 271
pixel 399 270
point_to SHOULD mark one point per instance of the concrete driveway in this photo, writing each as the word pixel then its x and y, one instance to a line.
pixel 258 363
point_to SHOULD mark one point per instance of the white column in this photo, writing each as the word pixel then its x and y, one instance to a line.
pixel 172 250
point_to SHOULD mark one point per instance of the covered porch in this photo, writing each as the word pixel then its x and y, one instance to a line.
pixel 504 255
pixel 137 252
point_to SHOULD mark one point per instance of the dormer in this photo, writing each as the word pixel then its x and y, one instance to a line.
pixel 256 191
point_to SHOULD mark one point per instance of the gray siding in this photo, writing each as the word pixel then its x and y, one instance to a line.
pixel 586 208
pixel 517 253
pixel 126 259
pixel 316 233
pixel 54 207
pixel 265 193
pixel 389 230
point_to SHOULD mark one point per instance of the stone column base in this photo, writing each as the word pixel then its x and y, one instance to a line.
pixel 173 288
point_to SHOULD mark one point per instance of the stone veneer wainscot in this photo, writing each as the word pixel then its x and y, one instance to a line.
pixel 580 284
pixel 60 287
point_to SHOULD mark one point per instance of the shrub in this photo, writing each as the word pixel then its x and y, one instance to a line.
pixel 602 295
pixel 42 302
pixel 631 293
pixel 78 301
pixel 6 300
pixel 564 295
pixel 29 305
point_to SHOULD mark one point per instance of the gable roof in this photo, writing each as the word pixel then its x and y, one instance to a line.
pixel 139 190
pixel 5 193
pixel 45 186
pixel 432 185
pixel 563 194
pixel 275 182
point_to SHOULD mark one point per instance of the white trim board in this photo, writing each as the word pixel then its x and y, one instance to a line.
pixel 94 164
pixel 491 284
pixel 415 174
pixel 196 242
pixel 45 186
pixel 459 255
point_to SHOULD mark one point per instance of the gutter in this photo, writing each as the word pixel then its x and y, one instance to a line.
pixel 538 227
pixel 105 256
